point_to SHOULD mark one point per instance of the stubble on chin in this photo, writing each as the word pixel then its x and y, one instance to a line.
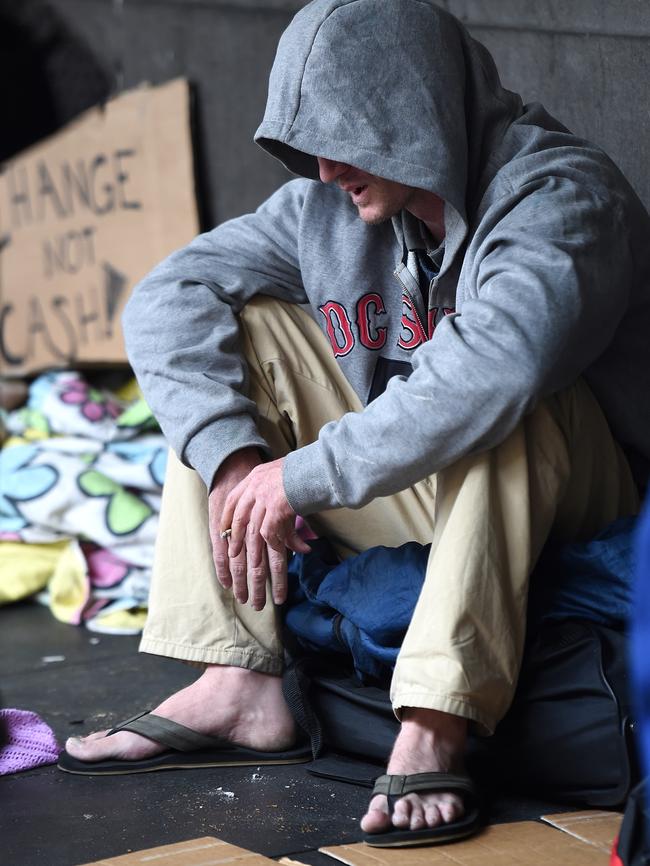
pixel 385 209
pixel 378 220
pixel 382 214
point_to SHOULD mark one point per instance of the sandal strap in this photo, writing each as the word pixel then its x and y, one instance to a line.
pixel 398 786
pixel 121 725
pixel 168 733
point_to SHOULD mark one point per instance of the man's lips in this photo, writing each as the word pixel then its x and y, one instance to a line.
pixel 355 190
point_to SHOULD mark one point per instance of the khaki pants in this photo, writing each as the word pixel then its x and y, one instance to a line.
pixel 487 517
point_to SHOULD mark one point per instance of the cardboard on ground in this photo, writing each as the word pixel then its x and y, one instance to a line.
pixel 571 839
pixel 525 843
pixel 196 852
pixel 595 828
pixel 84 215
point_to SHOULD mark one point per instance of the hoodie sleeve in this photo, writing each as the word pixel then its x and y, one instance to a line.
pixel 182 335
pixel 548 282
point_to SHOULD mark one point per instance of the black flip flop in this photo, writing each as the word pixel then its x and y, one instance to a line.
pixel 394 787
pixel 187 749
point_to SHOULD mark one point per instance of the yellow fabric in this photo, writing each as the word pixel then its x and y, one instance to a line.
pixel 31 434
pixel 27 568
pixel 120 621
pixel 27 437
pixel 69 587
pixel 129 391
pixel 61 568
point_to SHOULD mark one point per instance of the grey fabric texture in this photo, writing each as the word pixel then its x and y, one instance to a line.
pixel 547 254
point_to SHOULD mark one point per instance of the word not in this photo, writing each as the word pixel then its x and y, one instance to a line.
pixel 69 252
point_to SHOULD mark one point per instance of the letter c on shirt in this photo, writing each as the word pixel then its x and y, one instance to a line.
pixel 371 300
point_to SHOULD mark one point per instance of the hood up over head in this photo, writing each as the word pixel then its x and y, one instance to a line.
pixel 397 88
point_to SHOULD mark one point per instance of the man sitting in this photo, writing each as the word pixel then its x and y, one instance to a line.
pixel 474 356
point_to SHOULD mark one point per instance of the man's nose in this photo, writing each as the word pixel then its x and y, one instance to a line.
pixel 329 170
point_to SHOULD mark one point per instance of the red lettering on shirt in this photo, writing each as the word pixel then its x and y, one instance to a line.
pixel 432 316
pixel 431 320
pixel 339 328
pixel 412 332
pixel 366 303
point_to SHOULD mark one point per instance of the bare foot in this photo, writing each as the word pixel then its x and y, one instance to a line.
pixel 246 707
pixel 428 741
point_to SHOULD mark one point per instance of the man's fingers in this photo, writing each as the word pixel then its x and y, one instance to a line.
pixel 219 545
pixel 239 523
pixel 256 561
pixel 294 542
pixel 239 572
pixel 221 562
pixel 228 511
pixel 225 520
pixel 257 578
pixel 278 569
pixel 282 534
pixel 278 537
pixel 261 526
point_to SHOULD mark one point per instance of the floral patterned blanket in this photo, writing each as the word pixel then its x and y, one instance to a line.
pixel 81 474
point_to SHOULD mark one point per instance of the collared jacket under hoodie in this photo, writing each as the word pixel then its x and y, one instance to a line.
pixel 547 255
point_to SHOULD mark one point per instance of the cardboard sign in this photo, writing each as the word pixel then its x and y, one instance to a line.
pixel 207 851
pixel 84 215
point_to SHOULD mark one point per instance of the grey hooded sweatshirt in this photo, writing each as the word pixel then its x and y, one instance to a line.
pixel 547 254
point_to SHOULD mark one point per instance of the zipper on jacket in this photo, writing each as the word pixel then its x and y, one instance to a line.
pixel 414 305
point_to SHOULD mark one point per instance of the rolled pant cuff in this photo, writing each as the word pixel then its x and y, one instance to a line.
pixel 482 723
pixel 265 664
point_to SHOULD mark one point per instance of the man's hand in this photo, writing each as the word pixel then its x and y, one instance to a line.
pixel 233 469
pixel 262 525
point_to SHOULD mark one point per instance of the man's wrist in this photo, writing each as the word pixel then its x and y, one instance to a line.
pixel 243 458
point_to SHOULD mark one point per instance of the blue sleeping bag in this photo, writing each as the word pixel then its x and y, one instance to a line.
pixel 363 605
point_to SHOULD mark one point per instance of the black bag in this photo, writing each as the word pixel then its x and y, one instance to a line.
pixel 567 734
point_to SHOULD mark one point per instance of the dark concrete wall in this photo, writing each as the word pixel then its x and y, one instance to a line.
pixel 226 50
pixel 586 60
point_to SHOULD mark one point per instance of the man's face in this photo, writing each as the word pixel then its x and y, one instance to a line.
pixel 376 198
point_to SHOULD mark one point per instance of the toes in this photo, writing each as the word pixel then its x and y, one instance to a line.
pixel 96 735
pixel 415 812
pixel 451 809
pixel 73 745
pixel 402 813
pixel 84 747
pixel 433 815
pixel 412 813
pixel 376 819
pixel 418 820
pixel 87 748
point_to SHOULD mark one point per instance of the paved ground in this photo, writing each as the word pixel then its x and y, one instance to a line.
pixel 50 817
